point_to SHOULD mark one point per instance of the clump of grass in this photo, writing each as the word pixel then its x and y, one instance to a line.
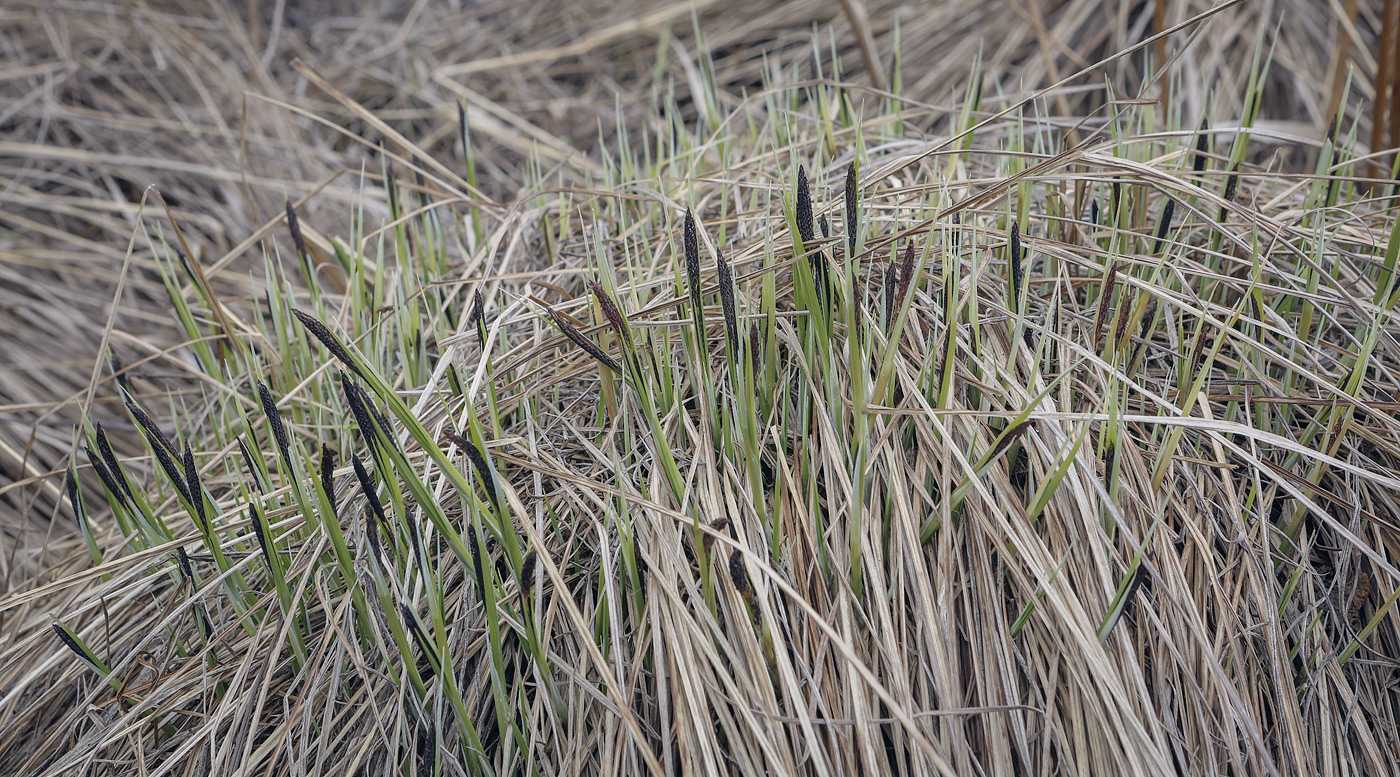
pixel 849 517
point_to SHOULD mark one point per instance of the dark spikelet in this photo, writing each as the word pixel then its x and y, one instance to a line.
pixel 957 230
pixel 1014 258
pixel 740 577
pixel 119 373
pixel 104 447
pixel 612 313
pixel 371 497
pixel 1105 296
pixel 906 272
pixel 478 462
pixel 201 616
pixel 1122 324
pixel 195 489
pixel 820 271
pixel 1231 184
pixel 255 520
pixel 1164 225
pixel 478 314
pixel 419 636
pixel 186 568
pixel 371 522
pixel 1202 144
pixel 391 188
pixel 70 482
pixel 1117 195
pixel 158 438
pixel 591 348
pixel 527 573
pixel 162 449
pixel 691 239
pixel 328 476
pixel 1012 435
pixel 274 419
pixel 852 210
pixel 804 210
pixel 726 298
pixel 1094 211
pixel 332 344
pixel 294 226
pixel 74 645
pixel 754 348
pixel 479 567
pixel 720 525
pixel 106 477
pixel 891 287
pixel 250 464
pixel 359 410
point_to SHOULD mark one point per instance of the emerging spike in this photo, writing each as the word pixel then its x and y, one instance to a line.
pixel 332 344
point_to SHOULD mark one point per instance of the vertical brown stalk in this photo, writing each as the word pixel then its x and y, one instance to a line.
pixel 1340 60
pixel 1392 124
pixel 1385 65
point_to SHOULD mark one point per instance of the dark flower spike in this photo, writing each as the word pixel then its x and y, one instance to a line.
pixel 1015 261
pixel 195 490
pixel 106 476
pixel 1231 184
pixel 375 506
pixel 906 272
pixel 294 226
pixel 250 464
pixel 612 313
pixel 692 264
pixel 726 298
pixel 816 259
pixel 1202 144
pixel 804 209
pixel 328 476
pixel 104 447
pixel 740 576
pixel 330 341
pixel 1109 283
pixel 78 648
pixel 366 415
pixel 527 573
pixel 591 348
pixel 891 287
pixel 419 636
pixel 358 410
pixel 720 525
pixel 255 519
pixel 186 568
pixel 852 211
pixel 478 462
pixel 1164 225
pixel 753 348
pixel 119 373
pixel 70 482
pixel 478 316
pixel 274 419
pixel 474 546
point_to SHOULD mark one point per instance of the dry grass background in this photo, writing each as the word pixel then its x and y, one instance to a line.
pixel 99 101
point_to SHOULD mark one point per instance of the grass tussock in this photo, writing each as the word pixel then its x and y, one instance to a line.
pixel 805 429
